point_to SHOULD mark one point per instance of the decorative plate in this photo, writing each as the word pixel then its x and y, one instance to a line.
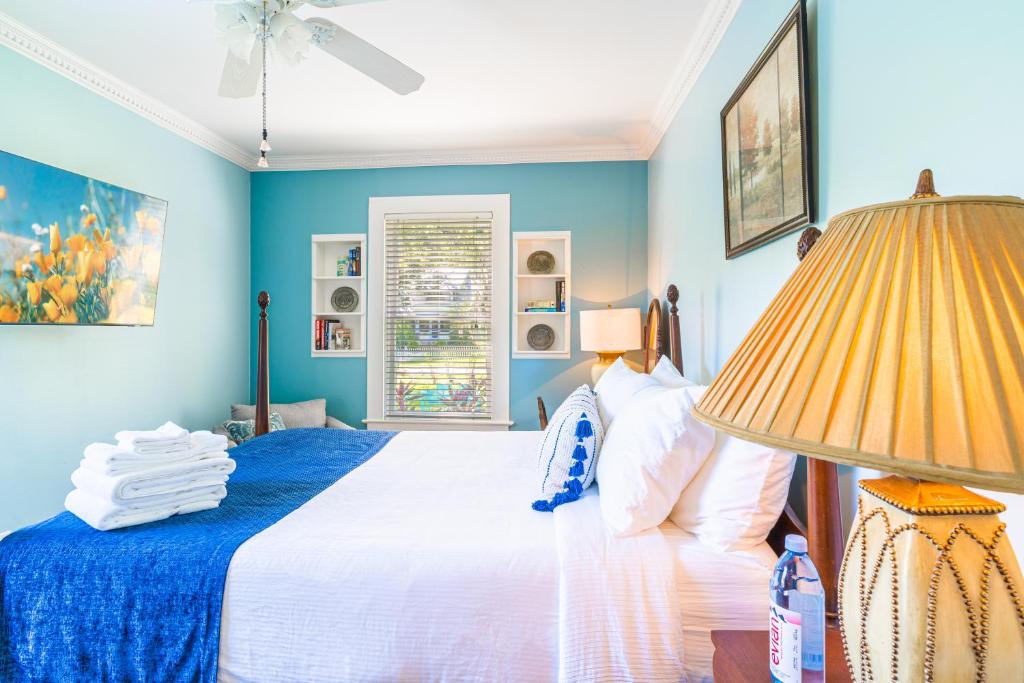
pixel 540 263
pixel 540 337
pixel 344 300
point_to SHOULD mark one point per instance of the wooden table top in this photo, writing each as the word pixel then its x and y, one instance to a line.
pixel 742 657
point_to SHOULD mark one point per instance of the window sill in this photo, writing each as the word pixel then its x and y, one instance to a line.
pixel 437 424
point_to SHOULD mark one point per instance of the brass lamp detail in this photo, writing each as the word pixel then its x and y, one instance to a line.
pixel 898 344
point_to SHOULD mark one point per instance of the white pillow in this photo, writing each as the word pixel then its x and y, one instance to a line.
pixel 653 449
pixel 617 386
pixel 668 376
pixel 568 450
pixel 739 493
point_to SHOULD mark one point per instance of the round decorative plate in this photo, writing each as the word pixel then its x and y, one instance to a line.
pixel 540 337
pixel 344 300
pixel 540 263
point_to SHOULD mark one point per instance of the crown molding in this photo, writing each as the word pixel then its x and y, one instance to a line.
pixel 46 52
pixel 713 25
pixel 543 155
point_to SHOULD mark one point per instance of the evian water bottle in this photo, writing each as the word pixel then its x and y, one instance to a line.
pixel 796 626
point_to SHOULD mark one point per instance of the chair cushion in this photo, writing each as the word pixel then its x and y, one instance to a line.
pixel 243 430
pixel 311 413
pixel 569 450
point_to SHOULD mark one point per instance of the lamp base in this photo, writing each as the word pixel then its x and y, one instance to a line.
pixel 930 586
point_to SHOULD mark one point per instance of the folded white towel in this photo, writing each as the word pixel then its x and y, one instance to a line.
pixel 167 438
pixel 105 458
pixel 104 515
pixel 176 478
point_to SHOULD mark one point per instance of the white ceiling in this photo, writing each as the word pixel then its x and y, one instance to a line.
pixel 583 77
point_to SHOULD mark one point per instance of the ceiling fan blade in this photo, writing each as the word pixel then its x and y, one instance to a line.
pixel 240 78
pixel 361 55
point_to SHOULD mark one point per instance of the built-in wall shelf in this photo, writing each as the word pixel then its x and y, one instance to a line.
pixel 331 252
pixel 541 287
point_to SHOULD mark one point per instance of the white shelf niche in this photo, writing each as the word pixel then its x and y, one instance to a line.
pixel 326 250
pixel 527 286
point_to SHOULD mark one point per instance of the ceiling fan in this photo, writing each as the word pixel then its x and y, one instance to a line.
pixel 252 27
pixel 289 38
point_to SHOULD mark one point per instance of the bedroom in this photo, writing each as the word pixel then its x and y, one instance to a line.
pixel 599 120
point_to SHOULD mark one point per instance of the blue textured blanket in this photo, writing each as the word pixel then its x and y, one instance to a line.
pixel 144 603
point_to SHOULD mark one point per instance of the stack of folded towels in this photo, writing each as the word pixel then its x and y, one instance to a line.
pixel 148 476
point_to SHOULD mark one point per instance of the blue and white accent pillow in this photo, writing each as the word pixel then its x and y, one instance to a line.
pixel 568 450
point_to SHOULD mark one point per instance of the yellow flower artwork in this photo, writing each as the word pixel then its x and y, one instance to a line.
pixel 74 250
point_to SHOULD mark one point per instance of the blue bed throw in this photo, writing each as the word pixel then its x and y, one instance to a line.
pixel 144 603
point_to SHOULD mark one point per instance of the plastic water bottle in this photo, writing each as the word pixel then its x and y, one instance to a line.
pixel 796 627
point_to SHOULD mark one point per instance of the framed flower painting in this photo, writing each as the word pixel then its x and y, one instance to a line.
pixel 766 170
pixel 74 250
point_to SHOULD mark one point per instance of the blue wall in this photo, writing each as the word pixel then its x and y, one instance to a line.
pixel 898 86
pixel 63 387
pixel 604 204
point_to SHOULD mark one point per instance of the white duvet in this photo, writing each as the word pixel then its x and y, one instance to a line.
pixel 428 564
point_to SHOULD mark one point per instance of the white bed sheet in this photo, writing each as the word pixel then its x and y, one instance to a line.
pixel 717 590
pixel 425 563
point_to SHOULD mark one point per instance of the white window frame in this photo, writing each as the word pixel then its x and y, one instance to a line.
pixel 499 206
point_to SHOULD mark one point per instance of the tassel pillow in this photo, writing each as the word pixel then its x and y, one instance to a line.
pixel 568 450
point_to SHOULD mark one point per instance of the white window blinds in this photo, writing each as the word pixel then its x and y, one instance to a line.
pixel 438 300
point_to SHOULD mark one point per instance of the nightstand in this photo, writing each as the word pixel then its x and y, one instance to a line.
pixel 742 657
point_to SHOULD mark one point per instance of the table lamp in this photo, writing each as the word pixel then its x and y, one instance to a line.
pixel 610 332
pixel 897 345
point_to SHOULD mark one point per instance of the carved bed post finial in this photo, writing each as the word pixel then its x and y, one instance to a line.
pixel 807 239
pixel 262 369
pixel 925 185
pixel 675 344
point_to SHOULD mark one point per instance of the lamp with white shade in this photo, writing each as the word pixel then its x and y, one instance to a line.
pixel 609 332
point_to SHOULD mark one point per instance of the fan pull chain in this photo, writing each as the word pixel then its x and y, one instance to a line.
pixel 264 143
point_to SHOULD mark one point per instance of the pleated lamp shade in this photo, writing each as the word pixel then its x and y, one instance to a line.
pixel 895 345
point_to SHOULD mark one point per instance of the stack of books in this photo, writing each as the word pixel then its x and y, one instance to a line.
pixel 323 335
pixel 541 306
pixel 556 305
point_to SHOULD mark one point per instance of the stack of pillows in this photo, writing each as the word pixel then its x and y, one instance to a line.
pixel 654 461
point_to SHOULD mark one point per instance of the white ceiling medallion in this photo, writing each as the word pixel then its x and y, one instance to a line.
pixel 40 49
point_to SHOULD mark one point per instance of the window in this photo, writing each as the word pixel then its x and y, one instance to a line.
pixel 438 354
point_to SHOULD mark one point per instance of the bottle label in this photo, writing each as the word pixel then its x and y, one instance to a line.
pixel 784 645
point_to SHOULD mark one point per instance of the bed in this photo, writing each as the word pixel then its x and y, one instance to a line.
pixel 426 562
pixel 418 591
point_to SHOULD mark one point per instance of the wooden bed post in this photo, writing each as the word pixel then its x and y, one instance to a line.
pixel 262 369
pixel 824 522
pixel 675 350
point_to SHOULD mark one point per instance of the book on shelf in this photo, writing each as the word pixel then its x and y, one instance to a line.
pixel 560 295
pixel 541 309
pixel 323 334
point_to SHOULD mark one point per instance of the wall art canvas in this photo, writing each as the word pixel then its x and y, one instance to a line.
pixel 765 145
pixel 75 250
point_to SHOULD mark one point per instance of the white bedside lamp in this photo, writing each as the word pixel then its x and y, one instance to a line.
pixel 610 333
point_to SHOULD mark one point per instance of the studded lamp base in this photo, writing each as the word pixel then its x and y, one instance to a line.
pixel 930 589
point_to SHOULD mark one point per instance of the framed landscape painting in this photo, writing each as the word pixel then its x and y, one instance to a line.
pixel 765 144
pixel 74 250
